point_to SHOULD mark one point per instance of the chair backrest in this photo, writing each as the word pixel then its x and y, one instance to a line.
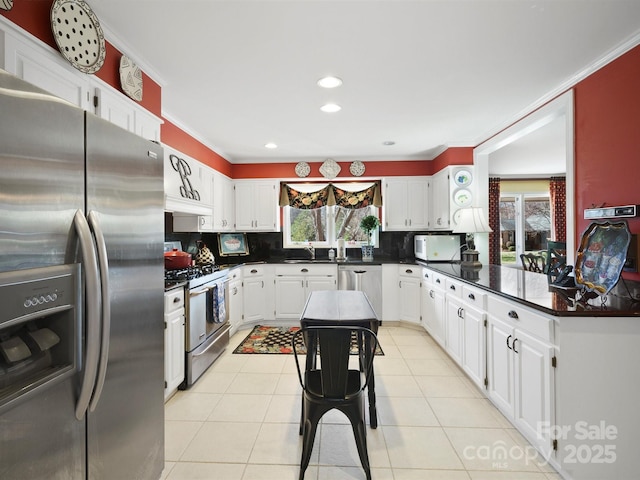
pixel 556 259
pixel 532 262
pixel 333 350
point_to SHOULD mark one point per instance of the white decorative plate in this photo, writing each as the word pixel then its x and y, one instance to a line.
pixel 78 34
pixel 6 4
pixel 462 197
pixel 330 168
pixel 463 178
pixel 130 78
pixel 303 169
pixel 356 168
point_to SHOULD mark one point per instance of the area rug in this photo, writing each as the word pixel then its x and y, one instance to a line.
pixel 263 339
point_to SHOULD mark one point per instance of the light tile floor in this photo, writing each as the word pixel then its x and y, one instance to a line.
pixel 240 422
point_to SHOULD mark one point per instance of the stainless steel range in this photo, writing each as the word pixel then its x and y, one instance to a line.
pixel 207 317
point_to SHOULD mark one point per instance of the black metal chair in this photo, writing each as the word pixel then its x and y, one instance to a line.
pixel 556 259
pixel 329 383
pixel 533 262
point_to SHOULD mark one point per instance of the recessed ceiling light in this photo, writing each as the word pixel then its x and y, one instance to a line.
pixel 388 143
pixel 330 82
pixel 330 108
pixel 270 145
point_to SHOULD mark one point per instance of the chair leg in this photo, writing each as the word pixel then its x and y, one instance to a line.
pixel 310 427
pixel 356 417
pixel 301 431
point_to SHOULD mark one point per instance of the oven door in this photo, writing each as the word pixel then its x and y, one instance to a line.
pixel 196 317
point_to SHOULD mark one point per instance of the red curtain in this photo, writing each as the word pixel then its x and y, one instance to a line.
pixel 494 221
pixel 558 194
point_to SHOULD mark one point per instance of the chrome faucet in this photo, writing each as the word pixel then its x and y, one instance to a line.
pixel 312 251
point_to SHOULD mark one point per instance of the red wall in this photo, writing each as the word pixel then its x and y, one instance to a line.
pixel 175 137
pixel 607 139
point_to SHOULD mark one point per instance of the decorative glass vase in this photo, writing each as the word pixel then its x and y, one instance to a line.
pixel 367 253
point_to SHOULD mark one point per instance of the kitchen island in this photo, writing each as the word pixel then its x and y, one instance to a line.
pixel 563 372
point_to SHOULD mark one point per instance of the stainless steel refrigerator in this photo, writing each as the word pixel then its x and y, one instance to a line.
pixel 81 293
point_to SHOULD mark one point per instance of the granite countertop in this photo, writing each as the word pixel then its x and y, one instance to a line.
pixel 531 289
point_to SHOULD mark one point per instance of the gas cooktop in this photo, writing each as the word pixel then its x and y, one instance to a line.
pixel 174 277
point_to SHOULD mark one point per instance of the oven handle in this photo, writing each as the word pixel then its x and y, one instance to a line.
pixel 195 293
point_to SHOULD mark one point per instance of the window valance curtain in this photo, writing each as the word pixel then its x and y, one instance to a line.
pixel 346 195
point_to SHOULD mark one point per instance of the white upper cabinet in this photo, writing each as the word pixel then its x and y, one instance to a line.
pixel 52 73
pixel 405 203
pixel 453 188
pixel 223 203
pixel 38 65
pixel 256 206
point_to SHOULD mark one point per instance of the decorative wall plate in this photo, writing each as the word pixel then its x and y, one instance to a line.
pixel 356 168
pixel 463 178
pixel 130 78
pixel 78 34
pixel 462 197
pixel 303 169
pixel 330 168
pixel 6 4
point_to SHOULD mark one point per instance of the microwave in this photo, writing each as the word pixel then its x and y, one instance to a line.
pixel 437 248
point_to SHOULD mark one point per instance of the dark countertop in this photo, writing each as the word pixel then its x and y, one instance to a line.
pixel 531 289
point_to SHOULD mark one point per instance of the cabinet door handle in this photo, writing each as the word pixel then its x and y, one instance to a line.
pixel 461 312
pixel 400 284
pixel 426 275
pixel 452 287
pixel 514 345
pixel 431 293
pixel 472 296
pixel 437 280
pixel 513 314
pixel 508 346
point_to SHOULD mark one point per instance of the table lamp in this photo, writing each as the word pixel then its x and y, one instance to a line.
pixel 472 220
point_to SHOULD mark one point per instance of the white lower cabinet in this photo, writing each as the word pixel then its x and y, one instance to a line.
pixel 433 313
pixel 174 346
pixel 293 283
pixel 520 371
pixel 258 293
pixel 474 323
pixel 409 277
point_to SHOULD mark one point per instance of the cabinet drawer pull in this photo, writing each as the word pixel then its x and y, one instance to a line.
pixel 253 270
pixel 426 275
pixel 177 300
pixel 452 287
pixel 304 270
pixel 472 296
pixel 408 270
pixel 513 314
pixel 437 280
pixel 508 346
pixel 513 344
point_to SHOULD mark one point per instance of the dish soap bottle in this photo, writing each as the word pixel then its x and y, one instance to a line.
pixel 332 254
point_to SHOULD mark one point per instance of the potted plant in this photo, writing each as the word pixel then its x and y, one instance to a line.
pixel 368 224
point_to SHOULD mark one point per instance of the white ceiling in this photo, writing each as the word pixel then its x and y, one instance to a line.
pixel 425 74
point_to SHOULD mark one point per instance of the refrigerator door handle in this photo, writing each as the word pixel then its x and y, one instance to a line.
pixel 103 263
pixel 92 308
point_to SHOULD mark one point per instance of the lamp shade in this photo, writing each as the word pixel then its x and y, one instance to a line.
pixel 472 220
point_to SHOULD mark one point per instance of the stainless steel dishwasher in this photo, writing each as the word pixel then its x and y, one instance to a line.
pixel 367 278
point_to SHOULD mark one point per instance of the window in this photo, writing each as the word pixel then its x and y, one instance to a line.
pixel 525 225
pixel 321 227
